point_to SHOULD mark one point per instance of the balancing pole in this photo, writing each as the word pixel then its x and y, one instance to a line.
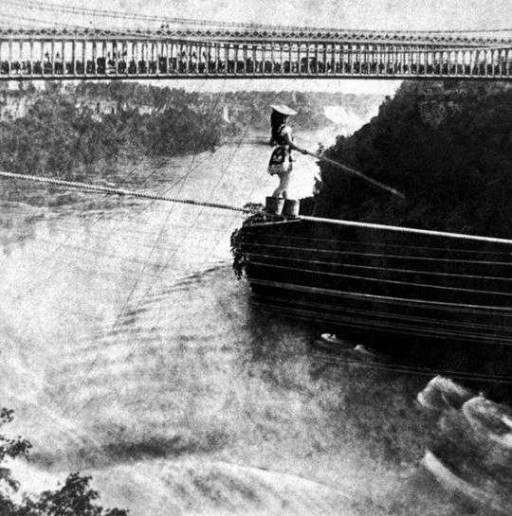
pixel 355 172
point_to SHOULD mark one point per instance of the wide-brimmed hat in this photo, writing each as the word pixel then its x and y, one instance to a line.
pixel 284 110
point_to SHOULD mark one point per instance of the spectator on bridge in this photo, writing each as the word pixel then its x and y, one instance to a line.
pixel 280 163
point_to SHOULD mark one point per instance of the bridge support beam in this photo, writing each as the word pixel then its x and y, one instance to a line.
pixel 77 56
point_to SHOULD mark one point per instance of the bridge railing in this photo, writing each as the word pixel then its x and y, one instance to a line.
pixel 152 57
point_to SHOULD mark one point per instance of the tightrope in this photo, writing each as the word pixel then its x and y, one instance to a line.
pixel 122 192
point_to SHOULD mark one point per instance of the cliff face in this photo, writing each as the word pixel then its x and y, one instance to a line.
pixel 446 145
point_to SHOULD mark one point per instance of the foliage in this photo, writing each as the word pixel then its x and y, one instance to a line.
pixel 74 498
pixel 9 448
pixel 66 130
pixel 447 146
pixel 240 258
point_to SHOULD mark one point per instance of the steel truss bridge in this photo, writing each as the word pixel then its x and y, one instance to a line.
pixel 245 52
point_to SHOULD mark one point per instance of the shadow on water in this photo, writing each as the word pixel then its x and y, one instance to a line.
pixel 153 447
pixel 368 409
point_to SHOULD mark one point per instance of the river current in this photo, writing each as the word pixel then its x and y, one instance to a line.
pixel 131 352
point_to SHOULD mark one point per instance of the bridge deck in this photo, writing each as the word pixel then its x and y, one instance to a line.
pixel 206 54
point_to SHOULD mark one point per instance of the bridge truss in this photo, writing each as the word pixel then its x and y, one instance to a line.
pixel 226 51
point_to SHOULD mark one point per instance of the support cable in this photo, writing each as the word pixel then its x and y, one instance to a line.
pixel 105 13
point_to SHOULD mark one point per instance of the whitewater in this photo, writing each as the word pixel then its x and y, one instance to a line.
pixel 130 352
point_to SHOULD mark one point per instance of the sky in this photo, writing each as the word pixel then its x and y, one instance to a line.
pixel 355 14
pixel 346 14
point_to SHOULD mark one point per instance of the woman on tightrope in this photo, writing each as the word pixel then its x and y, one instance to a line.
pixel 281 160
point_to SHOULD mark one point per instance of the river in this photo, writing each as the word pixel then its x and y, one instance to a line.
pixel 131 353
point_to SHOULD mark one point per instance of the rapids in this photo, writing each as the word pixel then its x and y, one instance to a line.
pixel 131 352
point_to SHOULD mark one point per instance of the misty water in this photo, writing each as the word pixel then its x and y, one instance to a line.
pixel 131 352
